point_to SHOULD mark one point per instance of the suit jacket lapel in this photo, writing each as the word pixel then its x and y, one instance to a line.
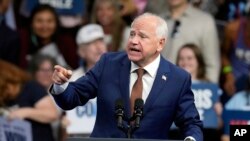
pixel 160 80
pixel 124 84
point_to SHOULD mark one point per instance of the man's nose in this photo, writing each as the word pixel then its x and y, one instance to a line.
pixel 134 40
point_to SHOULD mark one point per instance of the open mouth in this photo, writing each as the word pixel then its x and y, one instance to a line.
pixel 134 49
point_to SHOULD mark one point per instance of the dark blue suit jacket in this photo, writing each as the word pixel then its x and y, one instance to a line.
pixel 170 99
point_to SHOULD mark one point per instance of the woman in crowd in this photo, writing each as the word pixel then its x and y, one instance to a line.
pixel 107 14
pixel 28 101
pixel 190 58
pixel 235 54
pixel 11 80
pixel 41 69
pixel 42 36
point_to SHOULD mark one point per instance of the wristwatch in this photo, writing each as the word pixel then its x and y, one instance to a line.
pixel 189 138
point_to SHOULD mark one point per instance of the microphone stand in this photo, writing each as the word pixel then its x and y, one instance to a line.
pixel 129 129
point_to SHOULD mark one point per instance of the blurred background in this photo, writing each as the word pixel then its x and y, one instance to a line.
pixel 210 39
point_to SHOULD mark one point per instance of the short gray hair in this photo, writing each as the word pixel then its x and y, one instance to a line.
pixel 162 27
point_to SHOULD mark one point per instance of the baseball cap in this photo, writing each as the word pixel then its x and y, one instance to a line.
pixel 89 33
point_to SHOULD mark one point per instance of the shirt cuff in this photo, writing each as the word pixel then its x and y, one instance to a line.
pixel 58 89
pixel 189 138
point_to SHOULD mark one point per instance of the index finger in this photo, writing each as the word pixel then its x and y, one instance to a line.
pixel 59 68
pixel 64 71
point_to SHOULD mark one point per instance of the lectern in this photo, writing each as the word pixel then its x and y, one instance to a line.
pixel 112 139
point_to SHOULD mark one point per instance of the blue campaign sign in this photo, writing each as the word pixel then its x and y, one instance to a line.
pixel 15 130
pixel 63 7
pixel 233 117
pixel 206 95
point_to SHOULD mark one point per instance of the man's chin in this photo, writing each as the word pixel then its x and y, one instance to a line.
pixel 134 58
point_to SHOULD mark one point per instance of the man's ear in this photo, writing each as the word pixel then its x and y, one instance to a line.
pixel 162 43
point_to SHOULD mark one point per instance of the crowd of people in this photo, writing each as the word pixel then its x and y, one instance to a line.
pixel 209 39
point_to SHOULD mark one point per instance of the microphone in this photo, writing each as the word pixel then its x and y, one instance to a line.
pixel 138 111
pixel 119 112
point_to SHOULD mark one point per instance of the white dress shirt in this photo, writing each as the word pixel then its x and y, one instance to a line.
pixel 147 79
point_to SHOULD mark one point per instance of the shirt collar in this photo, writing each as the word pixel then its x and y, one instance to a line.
pixel 151 68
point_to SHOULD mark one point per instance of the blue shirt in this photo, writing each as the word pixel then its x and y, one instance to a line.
pixel 240 101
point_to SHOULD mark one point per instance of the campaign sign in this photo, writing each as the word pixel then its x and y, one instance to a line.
pixel 82 118
pixel 205 96
pixel 63 7
pixel 233 117
pixel 15 130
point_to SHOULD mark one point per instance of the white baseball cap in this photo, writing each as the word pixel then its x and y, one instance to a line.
pixel 89 33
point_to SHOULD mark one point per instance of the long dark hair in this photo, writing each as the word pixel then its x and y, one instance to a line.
pixel 201 73
pixel 38 9
pixel 119 24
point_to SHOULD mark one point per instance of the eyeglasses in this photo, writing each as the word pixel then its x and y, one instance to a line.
pixel 175 30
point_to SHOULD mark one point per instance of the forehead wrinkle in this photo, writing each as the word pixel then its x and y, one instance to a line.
pixel 143 31
pixel 149 25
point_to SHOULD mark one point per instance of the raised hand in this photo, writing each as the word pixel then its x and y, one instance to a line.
pixel 61 75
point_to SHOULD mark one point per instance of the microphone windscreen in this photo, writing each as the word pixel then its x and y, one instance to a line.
pixel 139 103
pixel 119 104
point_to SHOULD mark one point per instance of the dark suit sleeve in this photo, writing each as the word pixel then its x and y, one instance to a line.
pixel 79 92
pixel 187 117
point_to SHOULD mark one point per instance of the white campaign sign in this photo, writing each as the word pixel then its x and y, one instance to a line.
pixel 82 118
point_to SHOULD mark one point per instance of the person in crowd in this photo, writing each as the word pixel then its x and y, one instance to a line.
pixel 157 6
pixel 191 59
pixel 107 14
pixel 90 48
pixel 235 52
pixel 11 81
pixel 128 9
pixel 9 39
pixel 164 87
pixel 230 9
pixel 41 68
pixel 41 37
pixel 28 101
pixel 240 101
pixel 191 25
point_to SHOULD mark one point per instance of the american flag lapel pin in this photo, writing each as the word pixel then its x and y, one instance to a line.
pixel 164 77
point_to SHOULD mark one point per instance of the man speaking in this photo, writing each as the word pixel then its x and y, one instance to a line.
pixel 141 72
